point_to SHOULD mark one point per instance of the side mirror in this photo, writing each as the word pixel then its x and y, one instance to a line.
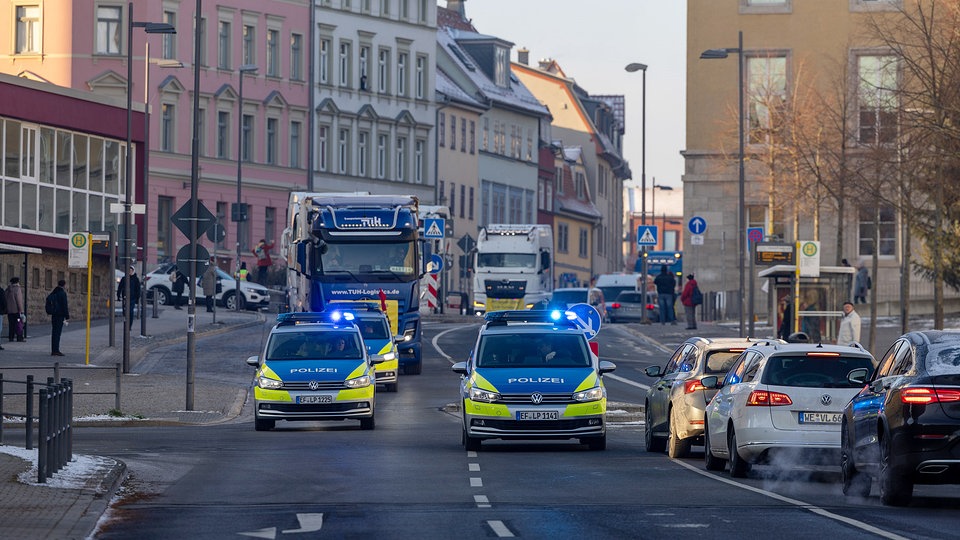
pixel 460 367
pixel 606 366
pixel 858 376
pixel 653 371
pixel 712 382
pixel 253 361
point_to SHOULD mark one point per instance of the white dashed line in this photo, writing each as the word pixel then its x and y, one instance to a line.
pixel 471 454
pixel 500 529
pixel 482 501
pixel 476 482
pixel 473 467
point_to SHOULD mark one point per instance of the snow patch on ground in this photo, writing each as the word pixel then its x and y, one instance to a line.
pixel 75 475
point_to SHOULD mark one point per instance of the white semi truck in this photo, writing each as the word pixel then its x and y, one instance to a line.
pixel 512 267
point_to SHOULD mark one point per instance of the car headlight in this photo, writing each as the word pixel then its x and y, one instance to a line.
pixel 594 394
pixel 389 356
pixel 359 382
pixel 268 383
pixel 479 394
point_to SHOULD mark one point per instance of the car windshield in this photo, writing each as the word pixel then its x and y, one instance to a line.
pixel 373 328
pixel 813 371
pixel 570 297
pixel 530 350
pixel 720 362
pixel 314 346
pixel 507 260
pixel 363 258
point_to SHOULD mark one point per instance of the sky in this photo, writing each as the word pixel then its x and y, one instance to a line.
pixel 593 41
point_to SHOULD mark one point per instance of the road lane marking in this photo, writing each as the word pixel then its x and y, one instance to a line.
pixel 500 529
pixel 436 339
pixel 471 453
pixel 482 501
pixel 473 467
pixel 308 523
pixel 625 381
pixel 476 481
pixel 806 506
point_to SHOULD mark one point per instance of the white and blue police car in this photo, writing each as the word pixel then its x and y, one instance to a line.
pixel 532 375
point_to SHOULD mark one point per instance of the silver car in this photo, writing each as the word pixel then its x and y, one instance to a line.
pixel 676 401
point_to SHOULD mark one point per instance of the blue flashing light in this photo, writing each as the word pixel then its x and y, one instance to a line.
pixel 555 314
pixel 335 317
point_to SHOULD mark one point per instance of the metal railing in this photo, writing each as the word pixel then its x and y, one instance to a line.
pixel 54 421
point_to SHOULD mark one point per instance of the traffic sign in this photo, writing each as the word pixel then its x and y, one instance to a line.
pixel 435 265
pixel 697 225
pixel 200 263
pixel 809 260
pixel 647 235
pixel 433 228
pixel 588 318
pixel 181 219
pixel 79 250
pixel 466 243
pixel 217 232
pixel 754 235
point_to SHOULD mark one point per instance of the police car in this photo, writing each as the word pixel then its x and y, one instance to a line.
pixel 533 375
pixel 314 366
pixel 379 341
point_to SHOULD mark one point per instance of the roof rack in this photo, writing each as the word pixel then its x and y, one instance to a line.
pixel 555 316
pixel 344 318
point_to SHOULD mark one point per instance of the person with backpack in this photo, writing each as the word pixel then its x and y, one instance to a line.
pixel 134 291
pixel 691 297
pixel 15 310
pixel 57 308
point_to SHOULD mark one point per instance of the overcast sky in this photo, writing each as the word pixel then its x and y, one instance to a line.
pixel 593 41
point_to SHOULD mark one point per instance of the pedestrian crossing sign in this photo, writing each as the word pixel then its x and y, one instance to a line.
pixel 647 235
pixel 433 227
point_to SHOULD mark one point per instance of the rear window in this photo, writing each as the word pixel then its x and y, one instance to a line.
pixel 943 359
pixel 373 328
pixel 612 291
pixel 631 297
pixel 570 297
pixel 813 371
pixel 720 362
pixel 530 350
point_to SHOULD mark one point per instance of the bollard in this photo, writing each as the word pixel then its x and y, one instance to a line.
pixel 116 404
pixel 29 419
pixel 41 451
pixel 154 302
pixel 69 419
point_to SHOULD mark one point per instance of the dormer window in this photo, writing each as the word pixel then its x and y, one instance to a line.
pixel 501 67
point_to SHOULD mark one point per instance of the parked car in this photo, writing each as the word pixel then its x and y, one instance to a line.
pixel 903 427
pixel 564 298
pixel 781 401
pixel 629 306
pixel 613 284
pixel 675 402
pixel 252 295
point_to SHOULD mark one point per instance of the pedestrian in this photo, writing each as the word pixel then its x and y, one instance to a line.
pixel 243 274
pixel 16 313
pixel 861 284
pixel 179 282
pixel 689 298
pixel 3 309
pixel 262 251
pixel 666 291
pixel 209 283
pixel 849 326
pixel 60 314
pixel 786 320
pixel 134 292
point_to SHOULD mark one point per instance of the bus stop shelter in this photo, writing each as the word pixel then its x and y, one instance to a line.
pixel 7 270
pixel 818 302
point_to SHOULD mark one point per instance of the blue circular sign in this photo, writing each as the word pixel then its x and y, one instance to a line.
pixel 436 263
pixel 588 318
pixel 697 225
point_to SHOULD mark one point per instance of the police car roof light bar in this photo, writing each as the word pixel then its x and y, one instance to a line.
pixel 336 317
pixel 354 306
pixel 565 318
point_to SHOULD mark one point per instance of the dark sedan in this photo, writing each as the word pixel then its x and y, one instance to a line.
pixel 629 306
pixel 903 428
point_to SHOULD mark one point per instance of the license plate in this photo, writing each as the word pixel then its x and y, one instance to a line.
pixel 538 415
pixel 820 417
pixel 321 398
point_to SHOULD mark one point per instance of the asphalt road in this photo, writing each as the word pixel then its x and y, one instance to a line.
pixel 410 477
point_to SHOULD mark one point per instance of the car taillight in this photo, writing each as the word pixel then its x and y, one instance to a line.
pixel 771 399
pixel 923 396
pixel 651 307
pixel 615 305
pixel 692 386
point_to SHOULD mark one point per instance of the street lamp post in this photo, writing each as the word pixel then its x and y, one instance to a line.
pixel 632 68
pixel 712 54
pixel 240 216
pixel 150 28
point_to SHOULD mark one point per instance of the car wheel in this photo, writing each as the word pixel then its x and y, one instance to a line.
pixel 162 295
pixel 710 461
pixel 895 489
pixel 595 443
pixel 260 424
pixel 853 482
pixel 368 423
pixel 471 444
pixel 738 466
pixel 230 301
pixel 652 443
pixel 676 447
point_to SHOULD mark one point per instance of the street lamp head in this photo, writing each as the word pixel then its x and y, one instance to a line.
pixel 155 28
pixel 635 66
pixel 248 68
pixel 160 62
pixel 663 188
pixel 713 54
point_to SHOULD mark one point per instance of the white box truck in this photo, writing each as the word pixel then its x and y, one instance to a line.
pixel 512 267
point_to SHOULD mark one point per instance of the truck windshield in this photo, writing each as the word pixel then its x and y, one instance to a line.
pixel 507 260
pixel 395 259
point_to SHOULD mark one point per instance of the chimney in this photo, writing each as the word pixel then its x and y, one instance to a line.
pixel 545 63
pixel 523 56
pixel 457 5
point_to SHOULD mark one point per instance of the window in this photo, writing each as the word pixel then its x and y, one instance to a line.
pixel 401 158
pixel 878 224
pixel 364 65
pixel 442 133
pixel 877 100
pixel 273 53
pixel 269 222
pixel 563 237
pixel 203 42
pixel 223 51
pixel 486 132
pixel 223 135
pixel 383 71
pixel 295 128
pixel 344 63
pixel 246 151
pixel 221 219
pixel 453 199
pixel 402 74
pixel 453 132
pixel 343 141
pixel 28 30
pixel 322 147
pixel 169 40
pixel 324 74
pixel 167 116
pixel 381 156
pixel 272 140
pixel 362 142
pixel 164 227
pixel 765 6
pixel 385 8
pixel 421 76
pixel 202 131
pixel 423 11
pixel 418 161
pixel 249 44
pixel 584 240
pixel 757 217
pixel 404 9
pixel 501 67
pixel 471 203
pixel 580 183
pixel 463 197
pixel 473 136
pixel 767 95
pixel 296 57
pixel 463 135
pixel 109 30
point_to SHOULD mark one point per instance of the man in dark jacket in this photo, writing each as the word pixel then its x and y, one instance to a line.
pixel 61 313
pixel 666 292
pixel 134 291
